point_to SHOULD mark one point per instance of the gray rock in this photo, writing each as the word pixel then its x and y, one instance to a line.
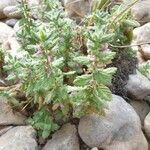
pixel 12 12
pixel 4 129
pixel 19 138
pixel 141 11
pixel 77 9
pixel 17 27
pixel 147 125
pixel 138 86
pixel 5 32
pixel 8 116
pixel 119 129
pixel 5 3
pixel 141 108
pixel 11 22
pixel 95 148
pixel 64 139
pixel 141 35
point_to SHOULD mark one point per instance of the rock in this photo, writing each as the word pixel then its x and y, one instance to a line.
pixel 119 129
pixel 141 11
pixel 19 138
pixel 141 35
pixel 8 116
pixel 138 139
pixel 147 125
pixel 95 148
pixel 138 86
pixel 17 27
pixel 141 108
pixel 77 9
pixel 4 129
pixel 64 139
pixel 11 22
pixel 12 12
pixel 5 32
pixel 5 3
pixel 145 51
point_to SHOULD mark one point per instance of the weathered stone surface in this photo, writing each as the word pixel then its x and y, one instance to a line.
pixel 141 35
pixel 5 3
pixel 141 11
pixel 138 86
pixel 119 129
pixel 141 108
pixel 64 139
pixel 145 51
pixel 8 116
pixel 12 12
pixel 77 9
pixel 4 129
pixel 147 125
pixel 19 138
pixel 11 22
pixel 5 32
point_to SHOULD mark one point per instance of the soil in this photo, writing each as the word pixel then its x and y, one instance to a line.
pixel 125 62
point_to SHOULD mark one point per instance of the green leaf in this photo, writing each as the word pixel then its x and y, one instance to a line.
pixel 106 38
pixel 83 60
pixel 42 36
pixel 45 134
pixel 83 80
pixel 131 23
pixel 58 62
pixel 106 57
pixel 103 94
pixel 104 76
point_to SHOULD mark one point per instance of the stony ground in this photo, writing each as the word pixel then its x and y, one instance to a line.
pixel 125 126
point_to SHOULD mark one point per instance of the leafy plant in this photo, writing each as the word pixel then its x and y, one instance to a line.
pixel 63 69
pixel 43 123
pixel 144 68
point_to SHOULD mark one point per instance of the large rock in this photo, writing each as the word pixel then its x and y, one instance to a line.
pixel 64 139
pixel 147 125
pixel 138 86
pixel 12 12
pixel 119 129
pixel 141 11
pixel 141 35
pixel 4 129
pixel 77 9
pixel 19 138
pixel 11 22
pixel 8 116
pixel 141 108
pixel 5 3
pixel 5 32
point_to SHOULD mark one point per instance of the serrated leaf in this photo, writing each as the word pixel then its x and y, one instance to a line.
pixel 58 62
pixel 103 93
pixel 106 57
pixel 131 23
pixel 83 80
pixel 104 76
pixel 106 38
pixel 45 134
pixel 83 60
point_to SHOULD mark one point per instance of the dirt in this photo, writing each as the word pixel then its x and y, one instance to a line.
pixel 125 62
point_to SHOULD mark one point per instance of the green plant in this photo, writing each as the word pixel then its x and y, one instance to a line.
pixel 144 68
pixel 63 70
pixel 43 123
